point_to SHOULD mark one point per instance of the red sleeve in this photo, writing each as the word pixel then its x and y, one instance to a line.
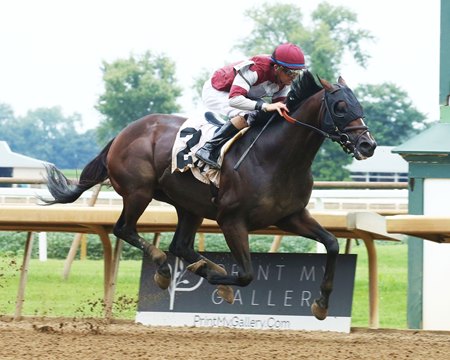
pixel 236 91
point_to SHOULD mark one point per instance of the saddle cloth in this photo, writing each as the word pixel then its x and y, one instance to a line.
pixel 191 136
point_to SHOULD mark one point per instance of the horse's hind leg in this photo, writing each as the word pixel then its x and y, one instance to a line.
pixel 304 225
pixel 133 207
pixel 182 245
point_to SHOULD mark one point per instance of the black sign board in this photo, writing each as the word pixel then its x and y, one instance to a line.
pixel 282 292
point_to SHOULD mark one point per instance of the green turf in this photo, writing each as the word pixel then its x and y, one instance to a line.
pixel 47 294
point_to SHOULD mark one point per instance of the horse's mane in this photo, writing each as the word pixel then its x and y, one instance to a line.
pixel 302 88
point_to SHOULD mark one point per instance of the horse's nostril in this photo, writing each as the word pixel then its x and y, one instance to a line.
pixel 367 148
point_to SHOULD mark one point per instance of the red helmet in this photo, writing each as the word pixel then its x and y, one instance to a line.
pixel 289 56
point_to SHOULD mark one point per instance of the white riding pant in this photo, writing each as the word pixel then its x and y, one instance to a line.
pixel 218 101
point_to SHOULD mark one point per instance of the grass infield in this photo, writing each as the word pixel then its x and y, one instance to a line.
pixel 47 294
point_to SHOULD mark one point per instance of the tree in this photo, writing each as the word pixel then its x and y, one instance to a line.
pixel 390 114
pixel 75 150
pixel 6 113
pixel 197 86
pixel 333 32
pixel 7 119
pixel 48 135
pixel 135 87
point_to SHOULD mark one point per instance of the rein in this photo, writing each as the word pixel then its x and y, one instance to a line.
pixel 291 120
pixel 340 137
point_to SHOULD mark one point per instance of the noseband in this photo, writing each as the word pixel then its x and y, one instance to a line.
pixel 335 127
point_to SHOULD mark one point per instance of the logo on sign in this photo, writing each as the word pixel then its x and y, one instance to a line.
pixel 180 281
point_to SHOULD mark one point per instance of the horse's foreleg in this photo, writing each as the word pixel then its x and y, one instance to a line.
pixel 236 235
pixel 320 306
pixel 303 224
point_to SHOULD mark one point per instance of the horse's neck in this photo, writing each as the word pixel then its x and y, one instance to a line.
pixel 302 142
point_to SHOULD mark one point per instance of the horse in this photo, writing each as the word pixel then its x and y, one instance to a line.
pixel 271 187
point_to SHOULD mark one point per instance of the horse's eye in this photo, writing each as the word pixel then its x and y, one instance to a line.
pixel 340 108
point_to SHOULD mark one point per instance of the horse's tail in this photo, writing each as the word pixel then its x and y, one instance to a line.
pixel 63 191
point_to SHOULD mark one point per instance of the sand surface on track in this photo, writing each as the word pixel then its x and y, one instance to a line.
pixel 55 338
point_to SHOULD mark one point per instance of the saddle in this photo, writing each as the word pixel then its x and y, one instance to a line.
pixel 191 136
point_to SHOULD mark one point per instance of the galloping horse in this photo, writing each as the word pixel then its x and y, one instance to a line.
pixel 271 187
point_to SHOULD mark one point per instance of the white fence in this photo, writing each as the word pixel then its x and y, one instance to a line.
pixel 389 201
pixel 378 200
pixel 29 196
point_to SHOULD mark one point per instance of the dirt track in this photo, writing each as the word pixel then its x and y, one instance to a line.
pixel 94 339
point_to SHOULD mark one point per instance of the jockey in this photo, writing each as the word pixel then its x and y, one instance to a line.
pixel 237 91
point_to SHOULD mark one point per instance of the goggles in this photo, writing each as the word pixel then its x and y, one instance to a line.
pixel 291 73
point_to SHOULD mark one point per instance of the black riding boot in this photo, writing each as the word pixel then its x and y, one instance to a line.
pixel 210 152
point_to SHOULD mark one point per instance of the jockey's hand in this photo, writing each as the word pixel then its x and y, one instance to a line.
pixel 278 106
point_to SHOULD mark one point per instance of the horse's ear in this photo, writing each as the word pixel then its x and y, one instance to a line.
pixel 342 81
pixel 326 85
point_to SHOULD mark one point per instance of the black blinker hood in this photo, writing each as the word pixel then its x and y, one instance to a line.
pixel 333 120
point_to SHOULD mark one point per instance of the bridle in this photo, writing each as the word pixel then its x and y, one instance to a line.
pixel 332 131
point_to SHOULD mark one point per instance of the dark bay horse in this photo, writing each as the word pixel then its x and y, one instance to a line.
pixel 271 187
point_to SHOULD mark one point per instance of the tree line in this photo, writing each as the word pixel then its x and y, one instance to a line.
pixel 145 84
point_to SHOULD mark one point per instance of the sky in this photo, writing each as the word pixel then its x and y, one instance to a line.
pixel 52 50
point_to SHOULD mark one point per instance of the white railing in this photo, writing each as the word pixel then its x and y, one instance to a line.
pixel 378 200
pixel 29 196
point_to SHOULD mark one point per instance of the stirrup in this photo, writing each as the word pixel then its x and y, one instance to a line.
pixel 205 158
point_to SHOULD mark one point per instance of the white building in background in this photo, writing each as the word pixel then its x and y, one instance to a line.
pixel 19 166
pixel 382 166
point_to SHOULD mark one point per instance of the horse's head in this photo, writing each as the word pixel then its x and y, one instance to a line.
pixel 343 120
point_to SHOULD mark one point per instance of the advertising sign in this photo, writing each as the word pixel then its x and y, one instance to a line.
pixel 280 296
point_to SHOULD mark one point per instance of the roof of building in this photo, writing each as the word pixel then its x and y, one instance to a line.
pixel 11 159
pixel 433 140
pixel 383 160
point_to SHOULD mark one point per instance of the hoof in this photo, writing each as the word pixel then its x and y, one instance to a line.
pixel 226 292
pixel 319 312
pixel 158 256
pixel 162 281
pixel 214 267
pixel 197 265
